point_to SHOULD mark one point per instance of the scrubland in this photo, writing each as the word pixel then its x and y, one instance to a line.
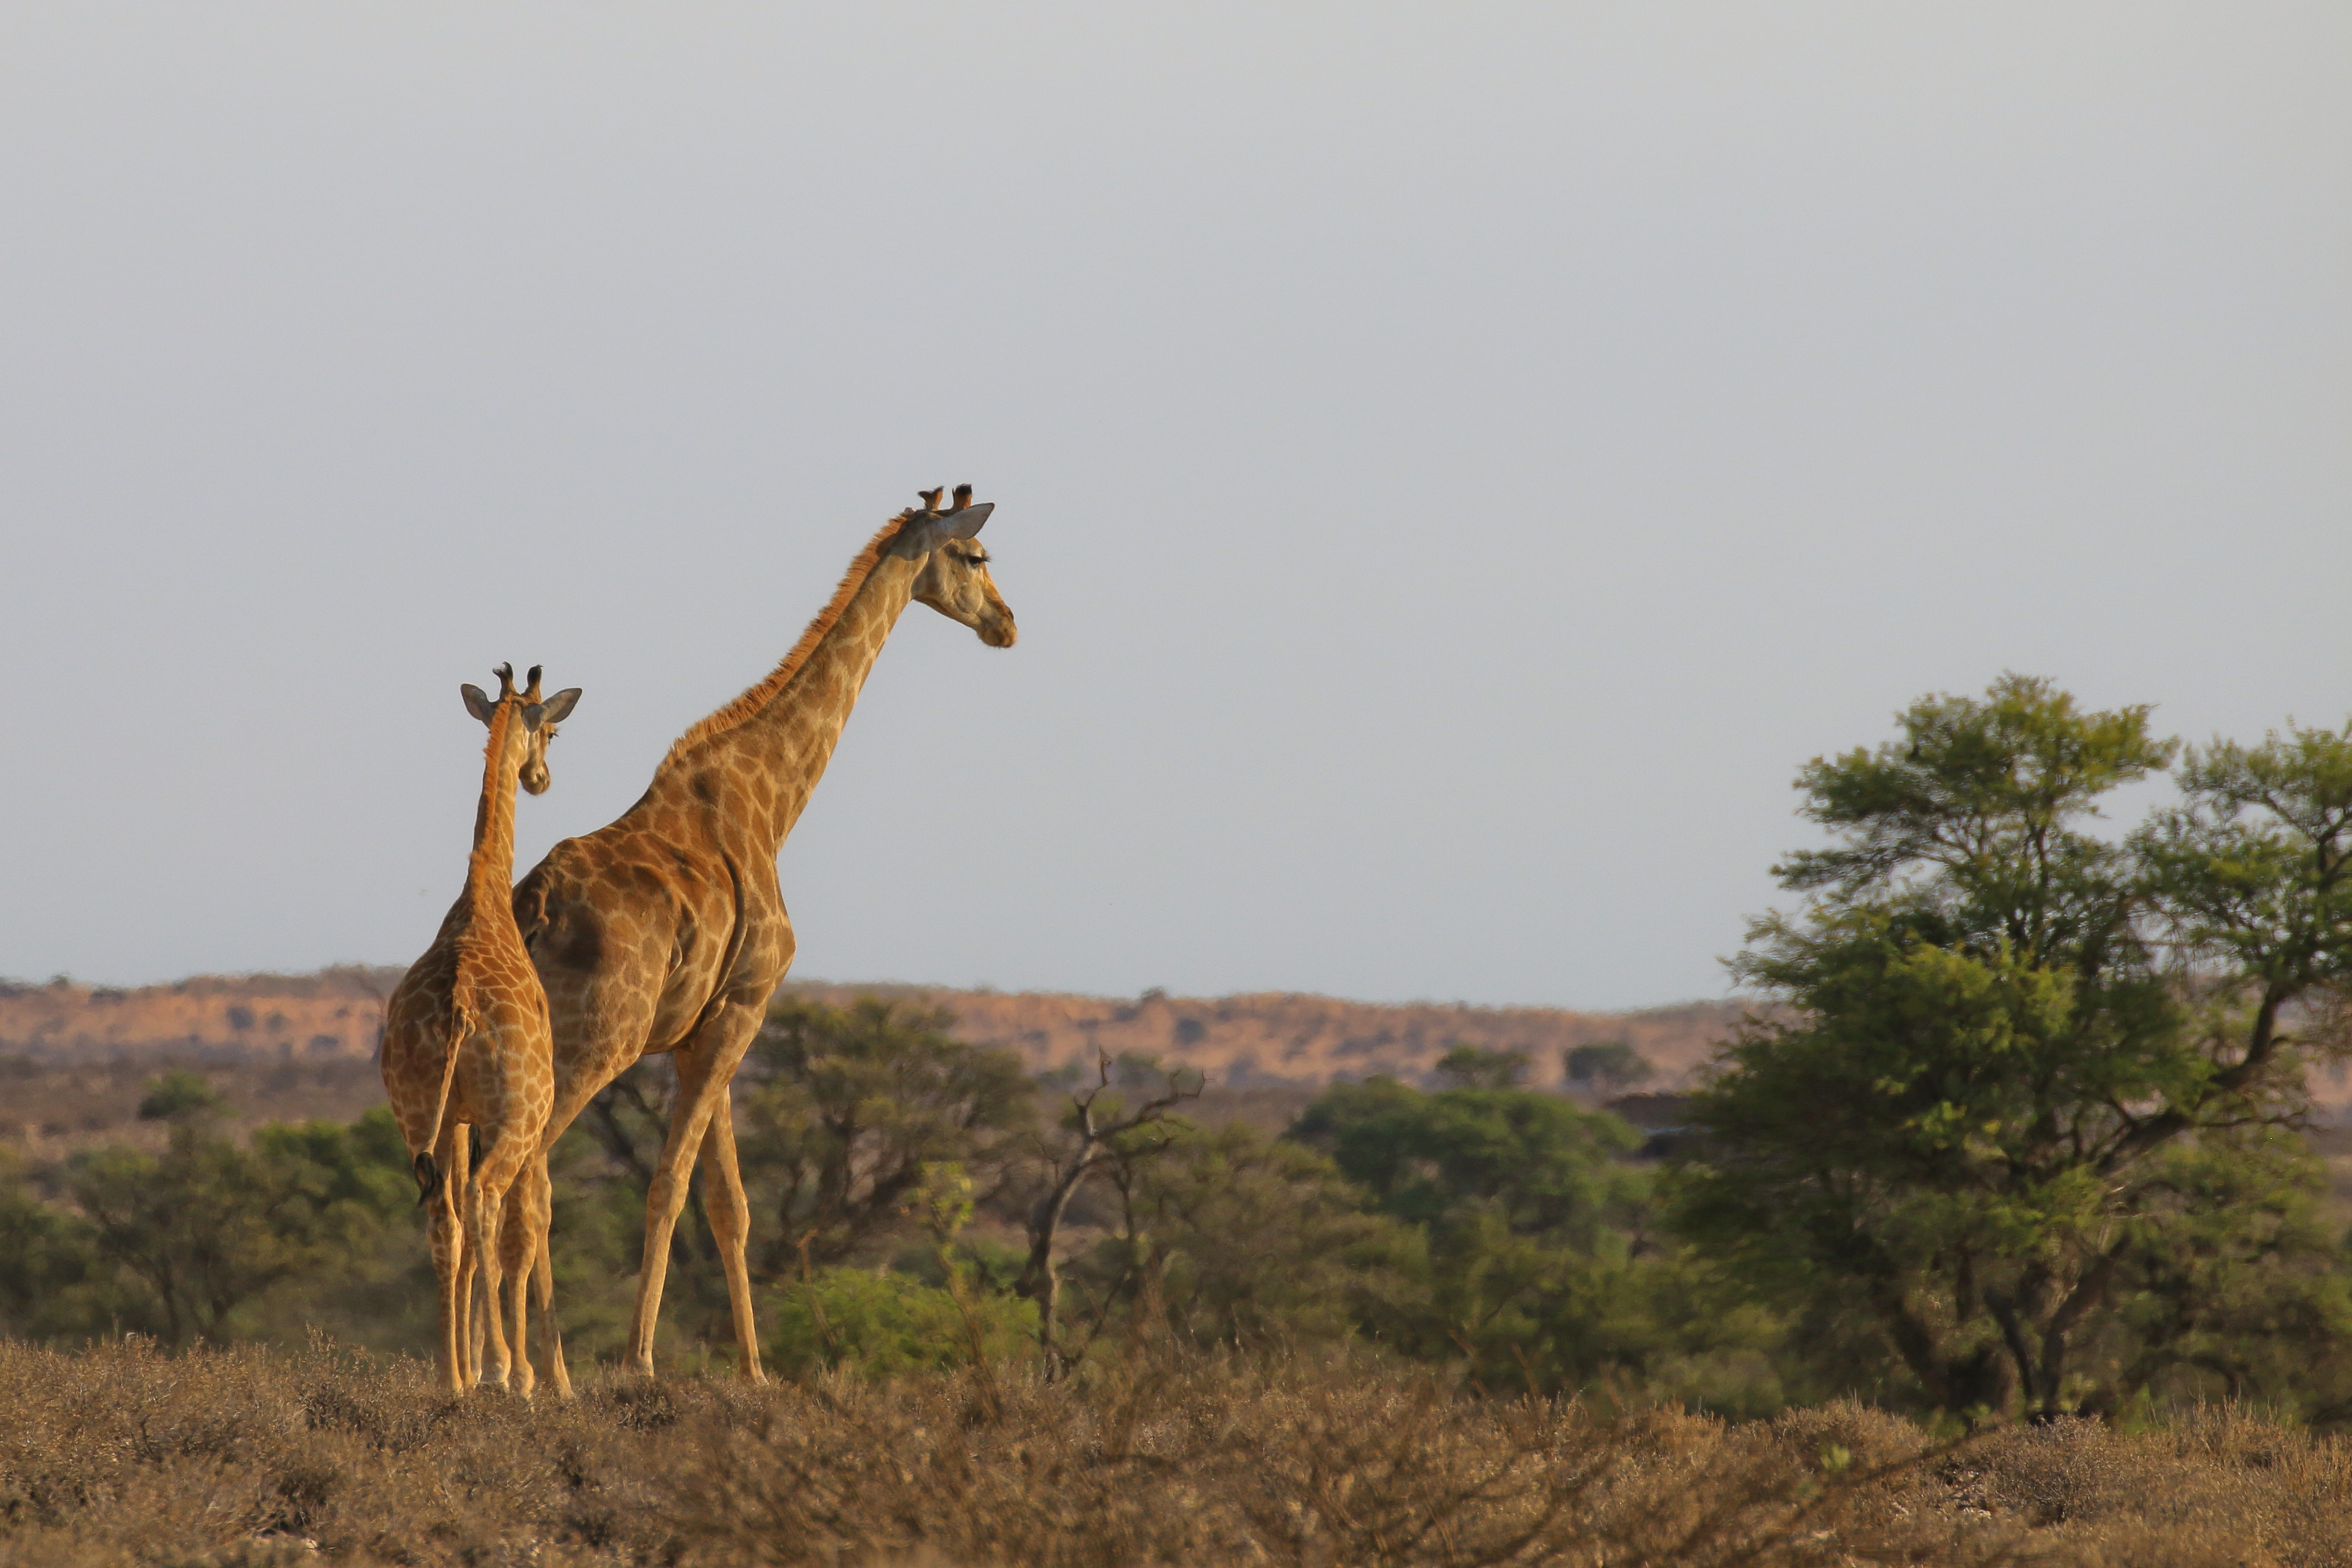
pixel 123 1454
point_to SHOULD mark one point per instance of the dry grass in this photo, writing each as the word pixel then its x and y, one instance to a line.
pixel 121 1455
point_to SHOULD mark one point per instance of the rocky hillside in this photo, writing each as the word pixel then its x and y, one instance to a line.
pixel 334 1013
pixel 1268 1038
pixel 1291 1037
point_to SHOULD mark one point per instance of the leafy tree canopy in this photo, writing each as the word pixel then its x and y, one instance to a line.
pixel 1540 1163
pixel 1251 1241
pixel 1608 1064
pixel 839 1112
pixel 178 1096
pixel 1986 1039
pixel 853 1103
pixel 1476 1067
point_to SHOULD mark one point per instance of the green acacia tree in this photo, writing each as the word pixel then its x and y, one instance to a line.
pixel 1524 1210
pixel 853 1104
pixel 48 1264
pixel 210 1226
pixel 1244 1241
pixel 1954 1126
pixel 1608 1065
pixel 1541 1164
pixel 838 1111
pixel 2250 878
pixel 2236 1286
pixel 1465 1066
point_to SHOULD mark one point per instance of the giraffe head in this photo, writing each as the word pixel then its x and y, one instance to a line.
pixel 526 740
pixel 954 577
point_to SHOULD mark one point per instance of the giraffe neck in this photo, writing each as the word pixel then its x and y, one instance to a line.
pixel 489 870
pixel 765 767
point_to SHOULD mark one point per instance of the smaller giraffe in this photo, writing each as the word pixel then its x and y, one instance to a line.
pixel 467 1043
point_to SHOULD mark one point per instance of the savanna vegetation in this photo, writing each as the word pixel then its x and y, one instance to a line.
pixel 2000 1206
pixel 248 1456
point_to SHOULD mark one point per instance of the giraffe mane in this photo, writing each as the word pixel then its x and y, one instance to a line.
pixel 756 697
pixel 502 719
pixel 484 892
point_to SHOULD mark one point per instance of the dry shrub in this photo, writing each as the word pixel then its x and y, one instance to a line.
pixel 246 1458
pixel 122 1454
pixel 2215 1486
pixel 1217 1462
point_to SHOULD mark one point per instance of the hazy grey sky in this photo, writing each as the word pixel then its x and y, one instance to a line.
pixel 1453 464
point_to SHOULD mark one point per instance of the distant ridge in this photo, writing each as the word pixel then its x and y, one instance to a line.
pixel 1264 1037
pixel 332 1013
pixel 1294 1037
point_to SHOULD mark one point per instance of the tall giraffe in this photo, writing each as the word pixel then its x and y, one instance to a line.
pixel 467 1042
pixel 665 931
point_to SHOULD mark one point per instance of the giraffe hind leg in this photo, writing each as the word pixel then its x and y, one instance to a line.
pixel 448 1232
pixel 518 1240
pixel 501 1161
pixel 458 1180
pixel 540 1212
pixel 729 1210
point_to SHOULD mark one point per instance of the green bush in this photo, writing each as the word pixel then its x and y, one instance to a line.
pixel 884 1325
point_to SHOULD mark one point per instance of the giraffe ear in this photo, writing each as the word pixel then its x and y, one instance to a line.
pixel 928 534
pixel 920 538
pixel 925 535
pixel 558 706
pixel 478 702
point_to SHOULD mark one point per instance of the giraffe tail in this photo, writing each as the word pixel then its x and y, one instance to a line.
pixel 427 1171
